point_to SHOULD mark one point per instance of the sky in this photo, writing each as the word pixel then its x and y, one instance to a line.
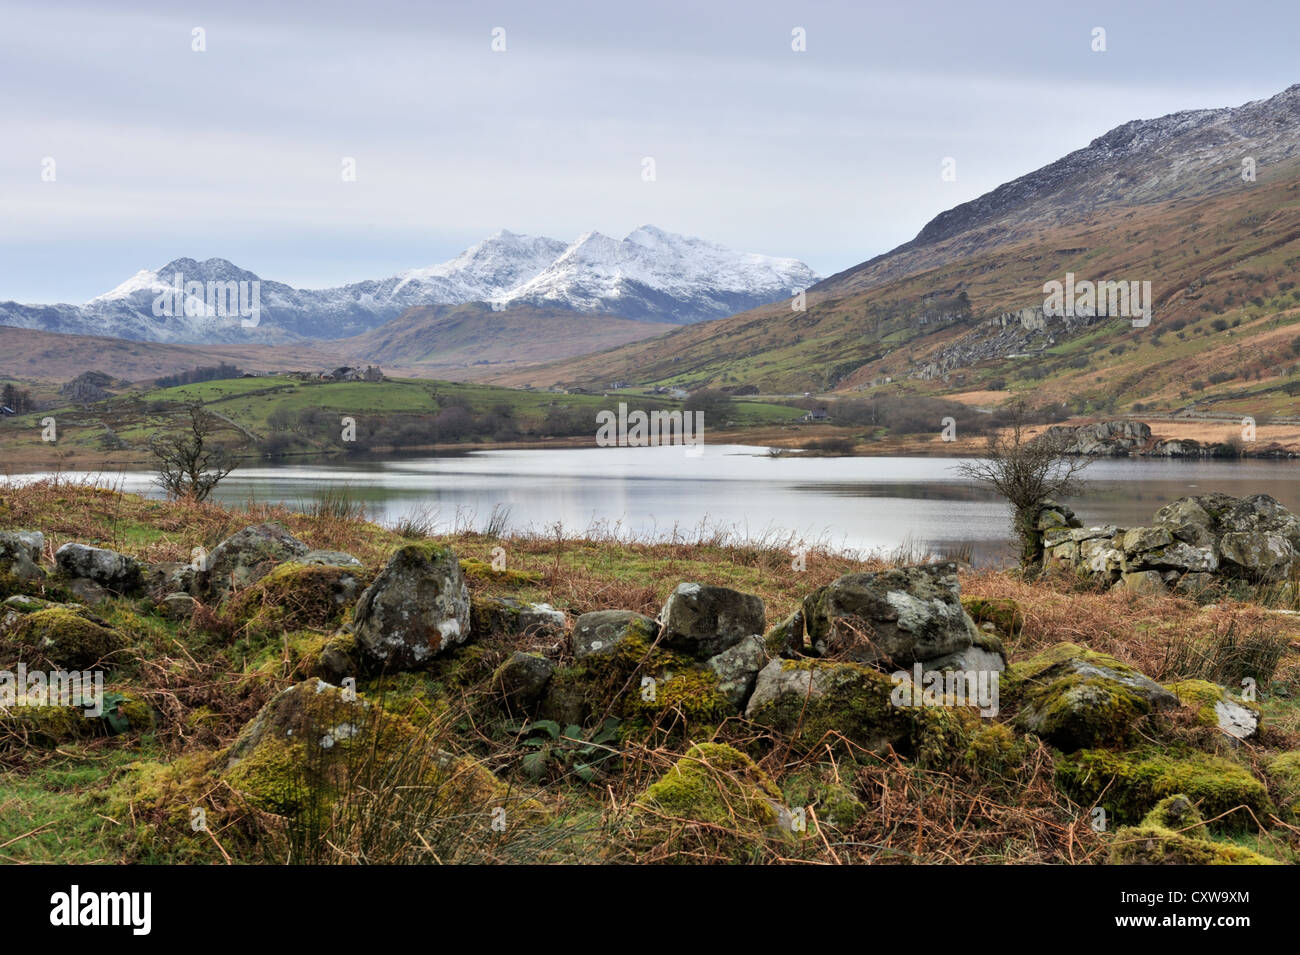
pixel 830 154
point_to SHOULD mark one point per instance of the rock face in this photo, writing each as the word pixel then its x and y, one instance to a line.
pixel 20 554
pixel 114 572
pixel 247 556
pixel 1190 543
pixel 702 620
pixel 417 607
pixel 1103 439
pixel 895 618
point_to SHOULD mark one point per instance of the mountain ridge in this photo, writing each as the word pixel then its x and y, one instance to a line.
pixel 650 275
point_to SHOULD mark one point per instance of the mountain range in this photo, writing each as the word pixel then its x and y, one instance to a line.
pixel 1203 204
pixel 650 275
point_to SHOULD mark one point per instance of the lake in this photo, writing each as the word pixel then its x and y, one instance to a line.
pixel 852 503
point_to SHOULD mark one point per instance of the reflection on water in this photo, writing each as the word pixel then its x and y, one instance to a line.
pixel 852 503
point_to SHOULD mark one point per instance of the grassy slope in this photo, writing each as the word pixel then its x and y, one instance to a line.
pixel 249 402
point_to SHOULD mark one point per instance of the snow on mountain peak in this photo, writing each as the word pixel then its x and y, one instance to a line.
pixel 648 274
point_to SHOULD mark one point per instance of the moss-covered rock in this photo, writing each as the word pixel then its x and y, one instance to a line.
pixel 1212 705
pixel 510 617
pixel 417 608
pixel 245 557
pixel 815 702
pixel 1076 698
pixel 1283 771
pixel 820 788
pixel 713 800
pixel 295 596
pixel 1168 836
pixel 1130 784
pixel 63 637
pixel 642 684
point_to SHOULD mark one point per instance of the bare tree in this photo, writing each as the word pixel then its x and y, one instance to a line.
pixel 1027 471
pixel 189 463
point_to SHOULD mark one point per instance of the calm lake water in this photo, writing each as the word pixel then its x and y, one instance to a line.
pixel 860 504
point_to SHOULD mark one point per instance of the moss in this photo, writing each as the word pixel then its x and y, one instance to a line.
pixel 152 806
pixel 1283 771
pixel 684 695
pixel 855 703
pixel 44 725
pixel 1200 696
pixel 994 749
pixel 1129 785
pixel 274 776
pixel 1167 837
pixel 835 804
pixel 295 597
pixel 1005 614
pixel 714 799
pixel 65 638
pixel 483 571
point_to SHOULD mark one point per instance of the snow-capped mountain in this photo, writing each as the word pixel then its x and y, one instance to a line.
pixel 649 275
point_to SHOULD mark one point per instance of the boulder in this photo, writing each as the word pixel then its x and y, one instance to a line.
pixel 816 701
pixel 247 556
pixel 1215 706
pixel 417 608
pixel 1077 698
pixel 178 606
pixel 62 636
pixel 114 572
pixel 893 617
pixel 601 631
pixel 522 678
pixel 168 577
pixel 703 620
pixel 1143 582
pixel 785 639
pixel 737 668
pixel 506 615
pixel 20 554
pixel 330 558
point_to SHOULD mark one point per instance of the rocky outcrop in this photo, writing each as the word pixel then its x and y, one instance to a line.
pixel 1191 544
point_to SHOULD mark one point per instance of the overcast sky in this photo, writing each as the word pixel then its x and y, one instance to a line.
pixel 831 155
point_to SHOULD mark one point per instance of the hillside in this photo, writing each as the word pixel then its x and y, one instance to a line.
pixel 280 415
pixel 943 314
pixel 467 341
